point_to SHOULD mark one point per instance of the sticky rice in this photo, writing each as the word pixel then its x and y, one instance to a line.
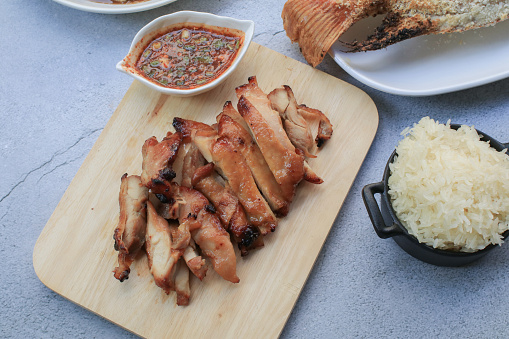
pixel 450 189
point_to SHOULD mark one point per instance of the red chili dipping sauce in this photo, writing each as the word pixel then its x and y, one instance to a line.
pixel 189 57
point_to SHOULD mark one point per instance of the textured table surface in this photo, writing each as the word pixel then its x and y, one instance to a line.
pixel 58 89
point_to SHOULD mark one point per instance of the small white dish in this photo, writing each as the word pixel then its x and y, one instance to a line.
pixel 429 65
pixel 97 7
pixel 154 28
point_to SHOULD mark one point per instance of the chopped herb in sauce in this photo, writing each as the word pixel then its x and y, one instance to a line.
pixel 188 57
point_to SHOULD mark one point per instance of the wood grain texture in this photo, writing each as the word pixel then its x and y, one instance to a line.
pixel 74 254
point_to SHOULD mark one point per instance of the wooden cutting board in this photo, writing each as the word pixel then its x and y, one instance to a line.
pixel 74 254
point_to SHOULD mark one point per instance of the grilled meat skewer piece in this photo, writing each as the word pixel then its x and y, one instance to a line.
pixel 129 235
pixel 233 167
pixel 283 101
pixel 287 166
pixel 307 128
pixel 228 208
pixel 202 177
pixel 162 257
pixel 230 125
pixel 318 123
pixel 182 284
pixel 207 231
pixel 158 158
pixel 194 261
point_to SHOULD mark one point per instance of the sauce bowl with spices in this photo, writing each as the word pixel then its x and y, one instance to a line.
pixel 187 53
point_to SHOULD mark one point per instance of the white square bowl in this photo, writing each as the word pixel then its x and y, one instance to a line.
pixel 154 28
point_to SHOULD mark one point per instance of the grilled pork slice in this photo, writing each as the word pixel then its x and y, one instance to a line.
pixel 230 111
pixel 192 161
pixel 302 124
pixel 207 232
pixel 318 123
pixel 228 208
pixel 157 171
pixel 162 257
pixel 182 284
pixel 158 158
pixel 244 143
pixel 233 167
pixel 203 178
pixel 265 124
pixel 181 240
pixel 283 101
pixel 194 261
pixel 129 234
pixel 241 181
pixel 256 97
pixel 164 208
pixel 181 235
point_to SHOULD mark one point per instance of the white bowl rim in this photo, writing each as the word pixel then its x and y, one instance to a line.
pixel 104 8
pixel 201 17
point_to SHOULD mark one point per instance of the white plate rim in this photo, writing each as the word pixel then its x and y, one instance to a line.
pixel 97 7
pixel 344 61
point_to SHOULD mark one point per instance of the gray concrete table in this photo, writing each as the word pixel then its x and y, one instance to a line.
pixel 58 89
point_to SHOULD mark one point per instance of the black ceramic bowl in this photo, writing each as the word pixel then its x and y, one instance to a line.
pixel 387 224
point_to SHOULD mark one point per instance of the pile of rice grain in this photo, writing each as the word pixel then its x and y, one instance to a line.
pixel 450 189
